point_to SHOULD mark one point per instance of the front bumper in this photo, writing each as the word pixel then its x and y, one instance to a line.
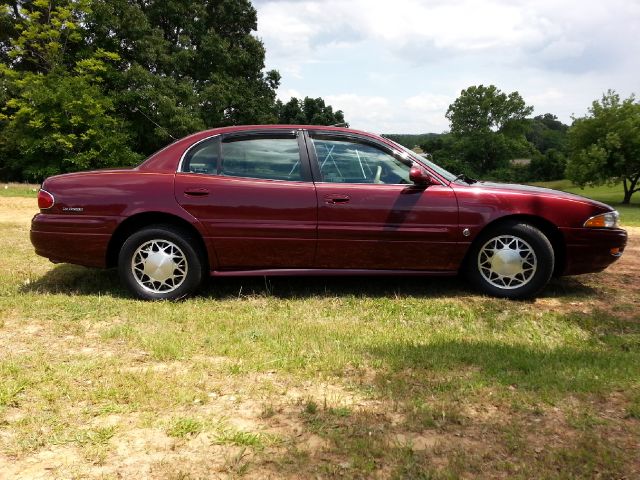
pixel 590 250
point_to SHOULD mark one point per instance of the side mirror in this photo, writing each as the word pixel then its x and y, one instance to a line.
pixel 419 176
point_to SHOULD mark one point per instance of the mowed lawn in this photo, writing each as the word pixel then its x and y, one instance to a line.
pixel 314 378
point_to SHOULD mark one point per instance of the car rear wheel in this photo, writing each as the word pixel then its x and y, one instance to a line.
pixel 514 260
pixel 160 263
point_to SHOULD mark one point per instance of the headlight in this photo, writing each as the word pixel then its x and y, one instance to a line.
pixel 604 220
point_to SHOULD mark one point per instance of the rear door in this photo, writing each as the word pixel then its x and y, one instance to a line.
pixel 371 216
pixel 253 193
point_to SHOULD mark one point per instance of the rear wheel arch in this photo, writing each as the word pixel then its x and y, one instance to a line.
pixel 142 220
pixel 550 230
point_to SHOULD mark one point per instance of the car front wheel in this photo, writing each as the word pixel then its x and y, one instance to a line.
pixel 513 261
pixel 160 263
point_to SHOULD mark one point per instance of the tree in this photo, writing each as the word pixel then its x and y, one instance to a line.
pixel 310 111
pixel 54 115
pixel 483 109
pixel 546 132
pixel 487 130
pixel 551 165
pixel 86 83
pixel 186 65
pixel 605 144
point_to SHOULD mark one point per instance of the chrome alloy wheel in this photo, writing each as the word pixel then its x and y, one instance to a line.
pixel 159 266
pixel 507 262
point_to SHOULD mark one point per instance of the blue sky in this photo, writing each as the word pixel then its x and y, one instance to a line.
pixel 395 66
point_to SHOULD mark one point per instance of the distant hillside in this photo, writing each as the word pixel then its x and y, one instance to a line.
pixel 410 140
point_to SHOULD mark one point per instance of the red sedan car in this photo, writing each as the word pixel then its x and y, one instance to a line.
pixel 311 200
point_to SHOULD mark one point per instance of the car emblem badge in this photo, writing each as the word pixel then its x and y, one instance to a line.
pixel 466 232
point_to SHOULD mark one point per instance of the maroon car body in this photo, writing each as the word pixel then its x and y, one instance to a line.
pixel 266 226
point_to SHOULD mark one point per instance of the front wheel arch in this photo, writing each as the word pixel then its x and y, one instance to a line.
pixel 510 260
pixel 550 230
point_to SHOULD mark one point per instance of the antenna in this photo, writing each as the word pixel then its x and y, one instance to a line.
pixel 343 125
pixel 137 109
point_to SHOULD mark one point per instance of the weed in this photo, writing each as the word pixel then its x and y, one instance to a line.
pixel 184 427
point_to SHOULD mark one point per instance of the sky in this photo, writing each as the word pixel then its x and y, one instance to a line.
pixel 395 66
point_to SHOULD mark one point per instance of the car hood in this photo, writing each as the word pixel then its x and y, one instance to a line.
pixel 548 192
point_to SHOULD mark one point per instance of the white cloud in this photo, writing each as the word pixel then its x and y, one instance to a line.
pixel 406 61
pixel 382 115
pixel 285 94
pixel 429 102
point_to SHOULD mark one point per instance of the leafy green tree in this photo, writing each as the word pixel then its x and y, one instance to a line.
pixel 310 111
pixel 605 144
pixel 487 130
pixel 549 166
pixel 484 109
pixel 54 118
pixel 546 132
pixel 185 65
pixel 486 152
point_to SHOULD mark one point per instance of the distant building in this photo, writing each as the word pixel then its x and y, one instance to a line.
pixel 520 162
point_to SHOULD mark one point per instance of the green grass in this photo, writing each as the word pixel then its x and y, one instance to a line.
pixel 332 378
pixel 184 427
pixel 18 190
pixel 609 194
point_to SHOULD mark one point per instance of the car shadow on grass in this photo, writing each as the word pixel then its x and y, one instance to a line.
pixel 76 280
pixel 414 370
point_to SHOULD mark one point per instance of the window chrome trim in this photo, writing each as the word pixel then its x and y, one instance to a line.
pixel 275 131
pixel 184 154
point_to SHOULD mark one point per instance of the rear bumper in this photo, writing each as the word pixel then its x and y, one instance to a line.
pixel 72 239
pixel 589 250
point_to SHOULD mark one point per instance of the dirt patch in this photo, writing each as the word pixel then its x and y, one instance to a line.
pixel 17 210
pixel 622 276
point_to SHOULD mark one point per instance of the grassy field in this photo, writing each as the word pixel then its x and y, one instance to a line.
pixel 314 378
pixel 18 189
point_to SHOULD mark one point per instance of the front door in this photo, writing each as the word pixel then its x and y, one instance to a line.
pixel 371 216
pixel 253 194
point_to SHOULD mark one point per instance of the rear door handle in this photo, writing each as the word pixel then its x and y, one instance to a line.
pixel 197 192
pixel 336 199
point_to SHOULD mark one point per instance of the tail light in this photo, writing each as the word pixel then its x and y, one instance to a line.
pixel 45 200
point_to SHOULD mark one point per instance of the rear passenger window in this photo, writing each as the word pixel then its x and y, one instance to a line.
pixel 272 158
pixel 203 158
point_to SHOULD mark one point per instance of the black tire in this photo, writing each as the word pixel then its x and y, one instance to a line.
pixel 188 266
pixel 503 276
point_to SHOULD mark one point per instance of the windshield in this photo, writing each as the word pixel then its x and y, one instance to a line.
pixel 437 168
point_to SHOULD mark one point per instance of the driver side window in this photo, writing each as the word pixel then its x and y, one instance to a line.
pixel 350 161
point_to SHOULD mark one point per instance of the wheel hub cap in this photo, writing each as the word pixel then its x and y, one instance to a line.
pixel 507 262
pixel 159 266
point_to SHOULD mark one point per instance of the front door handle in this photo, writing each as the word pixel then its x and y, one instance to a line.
pixel 336 199
pixel 197 192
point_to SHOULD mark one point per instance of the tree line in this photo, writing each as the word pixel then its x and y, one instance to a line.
pixel 104 83
pixel 493 136
pixel 90 84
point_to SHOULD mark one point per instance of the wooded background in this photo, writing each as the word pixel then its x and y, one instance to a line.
pixel 104 83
